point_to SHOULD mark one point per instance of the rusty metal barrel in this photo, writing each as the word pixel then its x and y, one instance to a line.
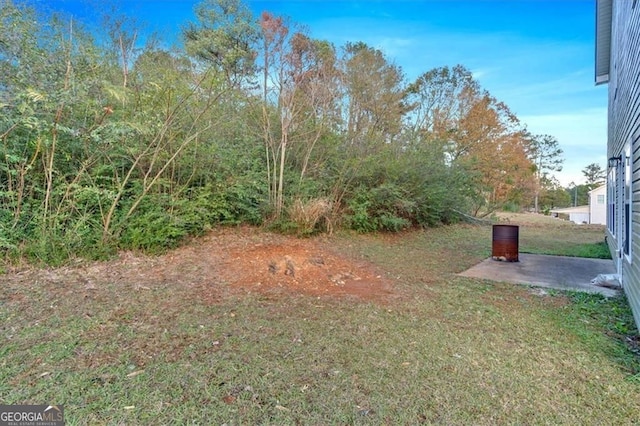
pixel 505 243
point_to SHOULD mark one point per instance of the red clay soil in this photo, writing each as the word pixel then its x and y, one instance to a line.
pixel 256 261
pixel 229 260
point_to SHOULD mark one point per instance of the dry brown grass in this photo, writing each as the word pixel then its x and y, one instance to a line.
pixel 543 221
pixel 308 214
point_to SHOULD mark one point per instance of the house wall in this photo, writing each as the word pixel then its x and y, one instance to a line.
pixel 579 218
pixel 598 211
pixel 623 129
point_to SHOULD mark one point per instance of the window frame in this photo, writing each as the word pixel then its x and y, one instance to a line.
pixel 627 203
pixel 611 201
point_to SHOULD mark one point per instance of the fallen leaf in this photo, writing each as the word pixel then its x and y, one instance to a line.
pixel 229 399
pixel 281 408
pixel 135 373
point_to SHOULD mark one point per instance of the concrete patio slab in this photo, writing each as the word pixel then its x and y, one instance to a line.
pixel 556 272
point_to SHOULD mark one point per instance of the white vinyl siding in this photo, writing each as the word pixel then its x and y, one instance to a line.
pixel 623 227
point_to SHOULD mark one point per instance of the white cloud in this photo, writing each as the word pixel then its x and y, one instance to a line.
pixel 483 72
pixel 395 46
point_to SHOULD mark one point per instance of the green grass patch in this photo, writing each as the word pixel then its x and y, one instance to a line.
pixel 598 250
pixel 606 324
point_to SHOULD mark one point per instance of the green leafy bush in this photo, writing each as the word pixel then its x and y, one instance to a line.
pixel 61 237
pixel 153 230
pixel 384 208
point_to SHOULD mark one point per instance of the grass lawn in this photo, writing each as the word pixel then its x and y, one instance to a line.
pixel 441 349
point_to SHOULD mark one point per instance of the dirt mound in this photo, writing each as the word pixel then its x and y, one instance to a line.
pixel 257 261
pixel 231 259
pixel 305 266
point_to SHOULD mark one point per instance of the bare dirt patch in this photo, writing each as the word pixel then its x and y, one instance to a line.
pixel 255 261
pixel 228 260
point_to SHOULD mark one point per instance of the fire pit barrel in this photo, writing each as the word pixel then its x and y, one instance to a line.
pixel 505 243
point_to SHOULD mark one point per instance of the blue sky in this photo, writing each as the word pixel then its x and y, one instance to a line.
pixel 534 55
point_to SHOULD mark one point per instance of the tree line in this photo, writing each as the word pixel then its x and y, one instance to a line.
pixel 108 143
pixel 554 195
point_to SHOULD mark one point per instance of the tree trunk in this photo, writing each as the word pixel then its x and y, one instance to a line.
pixel 280 196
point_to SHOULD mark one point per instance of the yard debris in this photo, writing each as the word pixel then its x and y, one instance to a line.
pixel 539 292
pixel 340 278
pixel 135 373
pixel 290 269
pixel 611 281
pixel 316 260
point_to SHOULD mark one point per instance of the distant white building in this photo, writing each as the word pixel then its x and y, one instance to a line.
pixel 579 214
pixel 594 213
pixel 598 205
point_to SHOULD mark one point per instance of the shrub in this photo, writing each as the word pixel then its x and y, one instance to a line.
pixel 153 231
pixel 384 208
pixel 55 240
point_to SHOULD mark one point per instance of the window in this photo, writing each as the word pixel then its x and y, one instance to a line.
pixel 611 204
pixel 628 205
pixel 600 199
